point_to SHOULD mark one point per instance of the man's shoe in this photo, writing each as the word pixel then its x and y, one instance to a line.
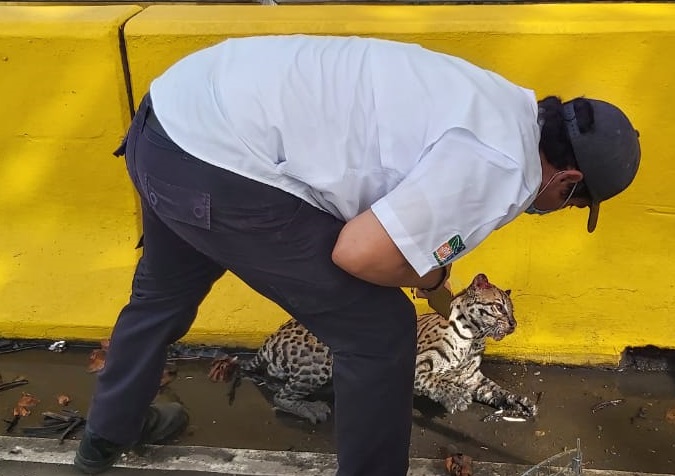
pixel 96 455
pixel 162 422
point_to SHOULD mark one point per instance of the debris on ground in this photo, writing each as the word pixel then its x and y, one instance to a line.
pixel 97 363
pixel 605 404
pixel 63 400
pixel 17 382
pixel 97 357
pixel 58 346
pixel 59 424
pixel 670 415
pixel 96 360
pixel 25 403
pixel 566 463
pixel 641 413
pixel 459 464
pixel 501 415
pixel 22 409
pixel 223 369
pixel 8 346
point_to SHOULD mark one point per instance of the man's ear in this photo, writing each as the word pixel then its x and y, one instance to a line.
pixel 571 176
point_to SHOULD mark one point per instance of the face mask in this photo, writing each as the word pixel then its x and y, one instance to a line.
pixel 532 210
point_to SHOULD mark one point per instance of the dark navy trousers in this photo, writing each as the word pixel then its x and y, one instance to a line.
pixel 200 221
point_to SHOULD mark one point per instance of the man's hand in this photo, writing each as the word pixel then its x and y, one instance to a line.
pixel 424 293
pixel 421 294
pixel 439 300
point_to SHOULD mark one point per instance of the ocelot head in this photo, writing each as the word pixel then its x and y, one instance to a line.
pixel 488 310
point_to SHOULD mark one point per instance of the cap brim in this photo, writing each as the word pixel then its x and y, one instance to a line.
pixel 594 211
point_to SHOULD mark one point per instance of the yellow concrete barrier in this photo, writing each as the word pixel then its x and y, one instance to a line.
pixel 67 213
pixel 69 216
pixel 579 298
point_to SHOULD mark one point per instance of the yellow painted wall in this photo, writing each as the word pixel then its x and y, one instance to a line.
pixel 67 214
pixel 579 298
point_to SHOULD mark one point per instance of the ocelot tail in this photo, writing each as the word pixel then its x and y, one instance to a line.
pixel 449 354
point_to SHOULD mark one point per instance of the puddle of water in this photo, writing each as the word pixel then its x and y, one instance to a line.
pixel 612 438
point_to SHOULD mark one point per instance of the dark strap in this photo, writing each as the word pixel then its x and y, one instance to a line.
pixel 571 120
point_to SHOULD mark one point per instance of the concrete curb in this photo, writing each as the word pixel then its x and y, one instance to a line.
pixel 241 462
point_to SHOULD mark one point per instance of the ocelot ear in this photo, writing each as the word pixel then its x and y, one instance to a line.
pixel 508 292
pixel 480 281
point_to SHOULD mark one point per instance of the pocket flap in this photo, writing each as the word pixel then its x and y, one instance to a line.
pixel 179 203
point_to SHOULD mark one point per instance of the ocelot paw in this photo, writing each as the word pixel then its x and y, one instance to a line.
pixel 518 406
pixel 457 400
pixel 315 412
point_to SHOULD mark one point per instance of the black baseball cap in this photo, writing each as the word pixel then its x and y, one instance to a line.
pixel 608 154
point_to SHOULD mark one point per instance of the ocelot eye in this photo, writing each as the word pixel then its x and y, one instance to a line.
pixel 500 308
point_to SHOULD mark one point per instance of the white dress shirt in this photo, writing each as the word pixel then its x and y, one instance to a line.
pixel 441 150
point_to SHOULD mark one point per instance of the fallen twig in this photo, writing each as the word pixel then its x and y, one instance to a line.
pixel 13 384
pixel 22 409
pixel 61 424
pixel 608 403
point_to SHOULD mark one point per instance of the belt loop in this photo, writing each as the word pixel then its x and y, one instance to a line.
pixel 138 121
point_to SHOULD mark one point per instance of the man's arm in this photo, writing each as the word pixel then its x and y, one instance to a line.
pixel 457 194
pixel 365 250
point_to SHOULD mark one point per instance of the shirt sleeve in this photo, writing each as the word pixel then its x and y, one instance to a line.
pixel 457 194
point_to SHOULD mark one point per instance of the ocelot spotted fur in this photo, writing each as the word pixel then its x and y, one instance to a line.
pixel 449 354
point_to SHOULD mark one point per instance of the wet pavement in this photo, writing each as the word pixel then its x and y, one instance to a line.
pixel 633 435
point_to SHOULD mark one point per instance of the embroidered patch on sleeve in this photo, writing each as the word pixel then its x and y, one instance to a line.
pixel 449 250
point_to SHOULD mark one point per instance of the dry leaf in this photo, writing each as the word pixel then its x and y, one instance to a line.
pixel 670 415
pixel 28 400
pixel 459 465
pixel 223 369
pixel 25 403
pixel 63 400
pixel 96 360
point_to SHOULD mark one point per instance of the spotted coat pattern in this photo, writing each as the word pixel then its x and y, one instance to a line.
pixel 449 354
